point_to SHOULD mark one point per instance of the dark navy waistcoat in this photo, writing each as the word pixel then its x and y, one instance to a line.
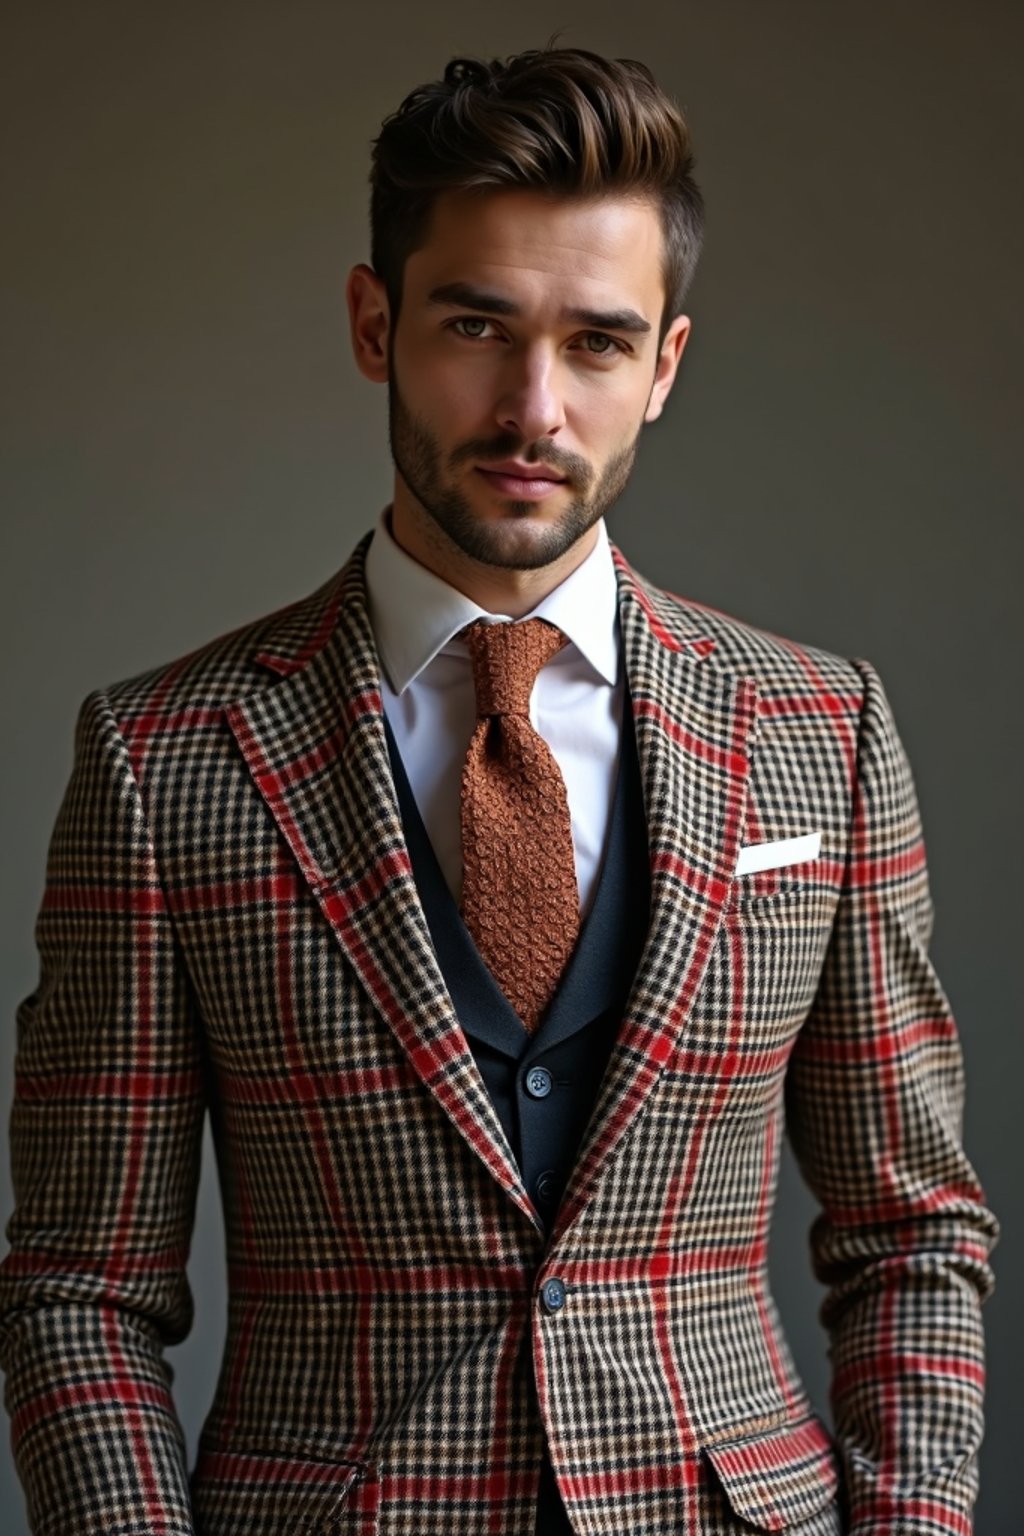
pixel 544 1086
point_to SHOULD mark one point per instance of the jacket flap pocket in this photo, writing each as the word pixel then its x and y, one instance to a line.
pixel 779 1477
pixel 242 1490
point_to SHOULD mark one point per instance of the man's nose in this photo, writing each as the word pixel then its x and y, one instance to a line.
pixel 531 404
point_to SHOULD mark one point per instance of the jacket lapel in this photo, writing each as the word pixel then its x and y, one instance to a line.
pixel 315 745
pixel 695 724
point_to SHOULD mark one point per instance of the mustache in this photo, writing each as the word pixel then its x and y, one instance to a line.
pixel 481 449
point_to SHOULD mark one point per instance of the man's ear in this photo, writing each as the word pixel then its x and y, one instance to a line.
pixel 668 361
pixel 370 319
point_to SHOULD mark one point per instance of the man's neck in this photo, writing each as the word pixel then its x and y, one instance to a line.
pixel 496 589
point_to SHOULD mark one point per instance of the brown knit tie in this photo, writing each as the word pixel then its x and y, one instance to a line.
pixel 520 900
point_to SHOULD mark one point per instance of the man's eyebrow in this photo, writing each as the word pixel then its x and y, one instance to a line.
pixel 465 296
pixel 609 319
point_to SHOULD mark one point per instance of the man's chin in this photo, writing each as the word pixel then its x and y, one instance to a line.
pixel 524 538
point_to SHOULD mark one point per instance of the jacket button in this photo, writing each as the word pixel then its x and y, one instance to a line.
pixel 552 1294
pixel 538 1082
pixel 546 1187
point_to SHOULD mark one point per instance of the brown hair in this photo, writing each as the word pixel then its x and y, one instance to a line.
pixel 558 120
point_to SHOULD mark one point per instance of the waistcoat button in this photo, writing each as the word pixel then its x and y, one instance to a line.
pixel 546 1186
pixel 538 1082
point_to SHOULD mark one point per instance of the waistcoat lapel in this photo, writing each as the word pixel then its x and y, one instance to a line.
pixel 484 1011
pixel 613 932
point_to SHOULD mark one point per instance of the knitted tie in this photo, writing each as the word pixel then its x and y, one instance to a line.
pixel 520 900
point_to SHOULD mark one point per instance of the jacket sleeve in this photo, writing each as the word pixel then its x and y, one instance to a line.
pixel 105 1151
pixel 874 1106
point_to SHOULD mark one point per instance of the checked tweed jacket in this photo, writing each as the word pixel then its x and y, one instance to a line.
pixel 230 923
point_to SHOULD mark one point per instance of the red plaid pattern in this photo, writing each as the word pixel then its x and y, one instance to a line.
pixel 230 921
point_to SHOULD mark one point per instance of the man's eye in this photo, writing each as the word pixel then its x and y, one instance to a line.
pixel 469 324
pixel 600 344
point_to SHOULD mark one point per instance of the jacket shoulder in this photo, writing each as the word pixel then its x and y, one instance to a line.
pixel 224 669
pixel 774 661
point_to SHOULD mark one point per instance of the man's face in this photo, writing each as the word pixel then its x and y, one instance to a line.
pixel 523 365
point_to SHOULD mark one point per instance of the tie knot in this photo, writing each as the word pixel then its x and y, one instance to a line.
pixel 506 659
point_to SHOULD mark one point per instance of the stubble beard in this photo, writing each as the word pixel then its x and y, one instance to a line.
pixel 519 543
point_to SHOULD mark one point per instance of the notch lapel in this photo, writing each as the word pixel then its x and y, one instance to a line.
pixel 695 725
pixel 315 745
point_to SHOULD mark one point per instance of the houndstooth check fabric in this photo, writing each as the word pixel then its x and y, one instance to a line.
pixel 230 924
pixel 520 900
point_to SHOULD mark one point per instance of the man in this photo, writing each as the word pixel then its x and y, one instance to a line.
pixel 498 905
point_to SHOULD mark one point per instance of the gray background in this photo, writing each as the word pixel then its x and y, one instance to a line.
pixel 188 444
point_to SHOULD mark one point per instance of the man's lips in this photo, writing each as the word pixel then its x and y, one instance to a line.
pixel 524 481
pixel 517 471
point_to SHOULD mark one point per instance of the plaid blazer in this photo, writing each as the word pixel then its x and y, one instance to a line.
pixel 230 922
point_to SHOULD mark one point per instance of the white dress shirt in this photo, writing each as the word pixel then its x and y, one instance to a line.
pixel 430 701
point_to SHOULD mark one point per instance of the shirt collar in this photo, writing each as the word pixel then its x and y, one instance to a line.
pixel 415 613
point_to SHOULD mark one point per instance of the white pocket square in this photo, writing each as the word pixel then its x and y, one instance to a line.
pixel 788 850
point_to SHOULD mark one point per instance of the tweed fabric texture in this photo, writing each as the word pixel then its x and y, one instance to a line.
pixel 520 900
pixel 230 924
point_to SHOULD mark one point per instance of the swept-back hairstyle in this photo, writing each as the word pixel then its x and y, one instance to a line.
pixel 558 120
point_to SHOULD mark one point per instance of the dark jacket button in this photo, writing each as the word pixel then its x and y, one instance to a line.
pixel 552 1294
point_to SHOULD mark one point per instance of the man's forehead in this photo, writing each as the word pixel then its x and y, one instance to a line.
pixel 527 245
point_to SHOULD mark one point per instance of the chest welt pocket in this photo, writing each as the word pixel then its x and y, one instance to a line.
pixel 237 1492
pixel 783 1479
pixel 793 873
pixel 776 897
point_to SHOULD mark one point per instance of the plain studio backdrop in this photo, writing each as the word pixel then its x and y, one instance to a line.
pixel 188 444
